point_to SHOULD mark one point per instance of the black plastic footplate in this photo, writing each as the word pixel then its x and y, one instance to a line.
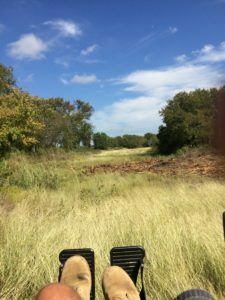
pixel 129 258
pixel 88 254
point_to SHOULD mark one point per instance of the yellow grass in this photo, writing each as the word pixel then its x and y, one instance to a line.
pixel 177 220
pixel 122 152
pixel 113 155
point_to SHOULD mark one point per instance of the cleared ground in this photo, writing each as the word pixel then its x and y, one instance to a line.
pixel 51 203
pixel 196 163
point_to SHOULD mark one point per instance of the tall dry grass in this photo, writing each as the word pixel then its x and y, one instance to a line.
pixel 177 220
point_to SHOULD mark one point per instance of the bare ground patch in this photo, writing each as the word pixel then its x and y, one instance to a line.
pixel 209 164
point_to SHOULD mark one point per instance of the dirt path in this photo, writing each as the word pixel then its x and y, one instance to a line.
pixel 199 164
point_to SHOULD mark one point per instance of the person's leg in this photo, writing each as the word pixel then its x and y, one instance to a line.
pixel 57 291
pixel 117 285
pixel 194 294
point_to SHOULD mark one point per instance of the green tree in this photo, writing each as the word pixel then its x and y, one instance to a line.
pixel 66 123
pixel 219 122
pixel 56 115
pixel 188 119
pixel 115 142
pixel 101 140
pixel 27 121
pixel 7 81
pixel 82 128
pixel 86 133
pixel 151 139
pixel 132 141
pixel 20 124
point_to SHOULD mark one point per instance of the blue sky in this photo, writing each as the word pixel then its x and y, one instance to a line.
pixel 125 57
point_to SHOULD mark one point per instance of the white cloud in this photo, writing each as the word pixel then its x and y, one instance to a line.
pixel 89 50
pixel 62 61
pixel 152 37
pixel 207 54
pixel 164 83
pixel 64 81
pixel 173 30
pixel 181 58
pixel 29 78
pixel 210 53
pixel 80 79
pixel 2 27
pixel 66 28
pixel 28 46
pixel 84 79
pixel 139 114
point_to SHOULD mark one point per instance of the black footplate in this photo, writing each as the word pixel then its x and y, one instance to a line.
pixel 88 254
pixel 131 260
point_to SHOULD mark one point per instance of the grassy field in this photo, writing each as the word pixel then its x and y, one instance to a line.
pixel 48 204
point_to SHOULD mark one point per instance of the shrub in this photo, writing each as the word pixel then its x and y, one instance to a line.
pixel 188 119
pixel 101 140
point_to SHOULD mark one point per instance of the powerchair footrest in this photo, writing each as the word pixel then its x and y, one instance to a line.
pixel 131 260
pixel 88 254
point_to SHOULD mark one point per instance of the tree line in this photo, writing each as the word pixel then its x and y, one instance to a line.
pixel 102 141
pixel 189 119
pixel 193 119
pixel 28 122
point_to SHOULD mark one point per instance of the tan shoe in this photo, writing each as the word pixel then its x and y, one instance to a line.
pixel 117 285
pixel 76 273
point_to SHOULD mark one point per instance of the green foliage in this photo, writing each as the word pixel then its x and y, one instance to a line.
pixel 55 114
pixel 151 139
pixel 85 134
pixel 219 125
pixel 28 123
pixel 132 141
pixel 188 119
pixel 80 123
pixel 66 123
pixel 5 172
pixel 7 80
pixel 20 172
pixel 20 123
pixel 26 177
pixel 115 142
pixel 101 140
pixel 184 150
